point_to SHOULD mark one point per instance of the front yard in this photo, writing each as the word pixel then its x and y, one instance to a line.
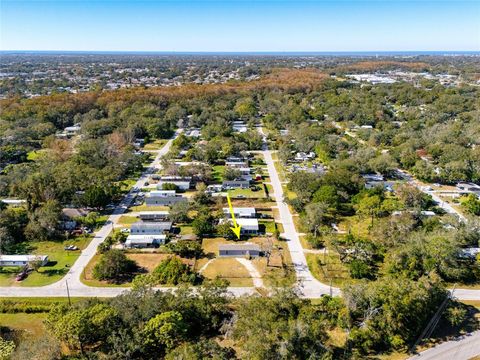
pixel 59 262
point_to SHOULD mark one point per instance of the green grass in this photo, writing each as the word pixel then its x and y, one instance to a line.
pixel 247 193
pixel 186 230
pixel 328 267
pixel 148 208
pixel 155 145
pixel 269 225
pixel 127 220
pixel 30 325
pixel 59 263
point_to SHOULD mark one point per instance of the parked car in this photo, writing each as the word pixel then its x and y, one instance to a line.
pixel 22 276
pixel 71 247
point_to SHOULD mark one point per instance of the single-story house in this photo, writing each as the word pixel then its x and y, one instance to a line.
pixel 248 226
pixel 72 130
pixel 214 188
pixel 163 198
pixel 69 215
pixel 194 132
pixel 245 173
pixel 150 228
pixel 183 183
pixel 238 250
pixel 239 126
pixel 145 241
pixel 237 164
pixel 301 156
pixel 13 202
pixel 22 260
pixel 236 184
pixel 468 187
pixel 372 177
pixel 241 212
pixel 153 215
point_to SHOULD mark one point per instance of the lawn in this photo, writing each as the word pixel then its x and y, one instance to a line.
pixel 29 326
pixel 148 208
pixel 155 145
pixel 127 220
pixel 60 261
pixel 147 261
pixel 328 267
pixel 228 269
pixel 247 193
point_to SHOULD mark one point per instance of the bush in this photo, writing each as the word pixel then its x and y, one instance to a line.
pixel 169 186
pixel 114 266
pixel 186 249
pixel 171 271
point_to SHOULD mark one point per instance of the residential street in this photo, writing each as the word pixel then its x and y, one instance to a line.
pixel 307 284
pixel 463 348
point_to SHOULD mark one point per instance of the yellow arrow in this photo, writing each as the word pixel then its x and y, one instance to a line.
pixel 236 228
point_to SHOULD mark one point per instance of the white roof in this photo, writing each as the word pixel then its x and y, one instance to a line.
pixel 246 223
pixel 22 257
pixel 145 239
pixel 13 201
pixel 153 213
pixel 162 193
pixel 241 210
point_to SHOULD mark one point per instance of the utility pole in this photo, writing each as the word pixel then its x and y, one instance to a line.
pixel 68 294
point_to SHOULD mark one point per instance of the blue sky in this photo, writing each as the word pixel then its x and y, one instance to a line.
pixel 125 25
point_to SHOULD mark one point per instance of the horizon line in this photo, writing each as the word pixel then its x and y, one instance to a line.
pixel 239 52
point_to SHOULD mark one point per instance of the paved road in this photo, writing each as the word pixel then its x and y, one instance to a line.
pixel 307 284
pixel 76 287
pixel 463 348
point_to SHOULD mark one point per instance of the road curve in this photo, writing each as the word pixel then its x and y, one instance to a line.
pixel 463 348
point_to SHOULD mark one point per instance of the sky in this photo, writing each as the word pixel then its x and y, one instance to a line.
pixel 240 26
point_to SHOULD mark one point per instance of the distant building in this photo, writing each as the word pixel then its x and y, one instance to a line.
pixel 150 228
pixel 22 260
pixel 468 187
pixel 13 202
pixel 182 183
pixel 241 212
pixel 72 130
pixel 239 250
pixel 153 215
pixel 236 184
pixel 372 177
pixel 69 217
pixel 301 156
pixel 145 241
pixel 163 198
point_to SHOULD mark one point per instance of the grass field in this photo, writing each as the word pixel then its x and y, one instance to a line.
pixel 247 193
pixel 127 220
pixel 60 261
pixel 155 145
pixel 30 325
pixel 328 267
pixel 148 208
pixel 228 269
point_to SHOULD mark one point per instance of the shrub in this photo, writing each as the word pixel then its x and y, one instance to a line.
pixel 114 266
